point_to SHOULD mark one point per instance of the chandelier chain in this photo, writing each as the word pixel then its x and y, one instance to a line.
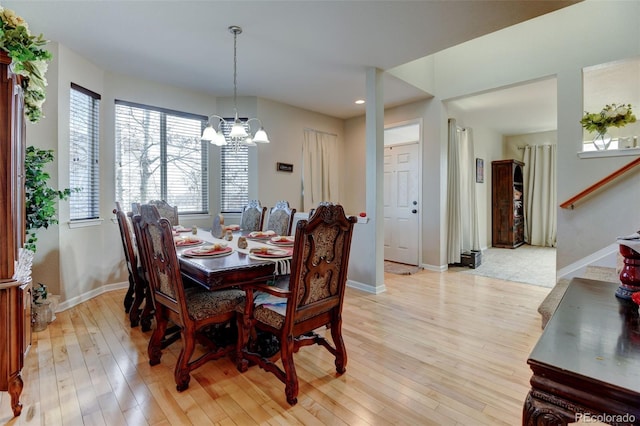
pixel 235 68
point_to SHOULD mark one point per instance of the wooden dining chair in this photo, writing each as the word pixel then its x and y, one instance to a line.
pixel 167 210
pixel 312 300
pixel 281 218
pixel 194 310
pixel 137 293
pixel 252 216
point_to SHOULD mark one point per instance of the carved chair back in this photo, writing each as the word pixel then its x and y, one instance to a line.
pixel 166 210
pixel 252 216
pixel 281 218
pixel 155 241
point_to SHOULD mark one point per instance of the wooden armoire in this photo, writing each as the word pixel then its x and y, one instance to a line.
pixel 15 291
pixel 507 197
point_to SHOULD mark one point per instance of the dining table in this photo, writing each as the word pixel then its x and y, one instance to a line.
pixel 239 266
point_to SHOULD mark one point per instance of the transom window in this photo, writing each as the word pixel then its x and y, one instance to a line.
pixel 159 156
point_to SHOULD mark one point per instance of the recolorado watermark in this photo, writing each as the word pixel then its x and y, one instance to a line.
pixel 605 418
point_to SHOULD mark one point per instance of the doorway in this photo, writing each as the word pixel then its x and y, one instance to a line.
pixel 402 193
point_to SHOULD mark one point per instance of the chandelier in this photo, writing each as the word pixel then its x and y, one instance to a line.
pixel 240 130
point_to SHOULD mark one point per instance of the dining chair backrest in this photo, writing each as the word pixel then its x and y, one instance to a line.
pixel 319 264
pixel 137 281
pixel 155 241
pixel 252 216
pixel 130 253
pixel 166 210
pixel 281 218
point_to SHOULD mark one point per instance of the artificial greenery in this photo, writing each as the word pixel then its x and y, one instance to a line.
pixel 39 294
pixel 40 198
pixel 611 116
pixel 28 59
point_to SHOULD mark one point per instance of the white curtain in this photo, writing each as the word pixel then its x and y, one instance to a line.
pixel 540 215
pixel 320 169
pixel 462 209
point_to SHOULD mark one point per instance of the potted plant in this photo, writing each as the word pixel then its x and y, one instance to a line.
pixel 40 198
pixel 612 115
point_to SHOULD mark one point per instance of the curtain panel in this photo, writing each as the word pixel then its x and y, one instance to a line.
pixel 540 216
pixel 320 169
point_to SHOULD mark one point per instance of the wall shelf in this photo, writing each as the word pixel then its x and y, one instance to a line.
pixel 610 153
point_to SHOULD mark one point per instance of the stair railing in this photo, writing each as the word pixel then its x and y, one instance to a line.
pixel 602 182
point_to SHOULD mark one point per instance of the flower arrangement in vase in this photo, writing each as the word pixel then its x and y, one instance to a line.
pixel 612 115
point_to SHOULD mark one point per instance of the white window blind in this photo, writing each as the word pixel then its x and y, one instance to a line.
pixel 234 173
pixel 159 156
pixel 84 202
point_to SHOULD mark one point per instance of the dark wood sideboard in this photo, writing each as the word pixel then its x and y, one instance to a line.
pixel 586 365
pixel 15 296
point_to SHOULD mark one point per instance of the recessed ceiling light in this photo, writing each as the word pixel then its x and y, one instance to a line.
pixel 360 101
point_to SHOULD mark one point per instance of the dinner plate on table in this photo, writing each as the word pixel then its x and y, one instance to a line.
pixel 271 253
pixel 281 240
pixel 207 251
pixel 260 235
pixel 187 241
pixel 180 229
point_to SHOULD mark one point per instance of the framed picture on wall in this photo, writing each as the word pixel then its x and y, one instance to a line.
pixel 479 170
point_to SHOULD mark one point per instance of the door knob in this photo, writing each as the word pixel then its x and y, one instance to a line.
pixel 414 211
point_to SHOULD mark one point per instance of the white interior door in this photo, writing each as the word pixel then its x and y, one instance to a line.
pixel 402 203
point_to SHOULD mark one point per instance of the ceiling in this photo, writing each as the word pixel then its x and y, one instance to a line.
pixel 309 54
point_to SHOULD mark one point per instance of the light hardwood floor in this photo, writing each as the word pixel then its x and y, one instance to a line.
pixel 436 348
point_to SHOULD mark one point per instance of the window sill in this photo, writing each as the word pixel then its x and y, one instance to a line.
pixel 609 153
pixel 85 223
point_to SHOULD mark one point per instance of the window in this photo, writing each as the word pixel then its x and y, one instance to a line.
pixel 234 173
pixel 84 202
pixel 159 156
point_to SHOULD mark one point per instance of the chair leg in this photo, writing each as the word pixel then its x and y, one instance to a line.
pixel 341 350
pixel 242 364
pixel 154 350
pixel 135 311
pixel 147 312
pixel 128 298
pixel 182 372
pixel 291 377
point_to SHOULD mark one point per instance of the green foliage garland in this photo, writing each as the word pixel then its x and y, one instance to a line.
pixel 28 59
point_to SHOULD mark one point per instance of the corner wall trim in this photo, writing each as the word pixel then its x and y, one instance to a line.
pixel 366 287
pixel 63 306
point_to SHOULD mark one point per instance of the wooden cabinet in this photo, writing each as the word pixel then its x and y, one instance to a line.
pixel 508 204
pixel 15 296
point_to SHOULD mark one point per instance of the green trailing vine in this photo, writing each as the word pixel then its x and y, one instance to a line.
pixel 28 59
pixel 40 198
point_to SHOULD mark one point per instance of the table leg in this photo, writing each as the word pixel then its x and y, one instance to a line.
pixel 543 409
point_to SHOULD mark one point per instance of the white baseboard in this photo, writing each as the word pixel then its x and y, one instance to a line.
pixel 606 257
pixel 90 295
pixel 435 268
pixel 366 287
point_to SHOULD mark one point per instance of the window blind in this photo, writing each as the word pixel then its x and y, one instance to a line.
pixel 159 156
pixel 84 171
pixel 234 173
